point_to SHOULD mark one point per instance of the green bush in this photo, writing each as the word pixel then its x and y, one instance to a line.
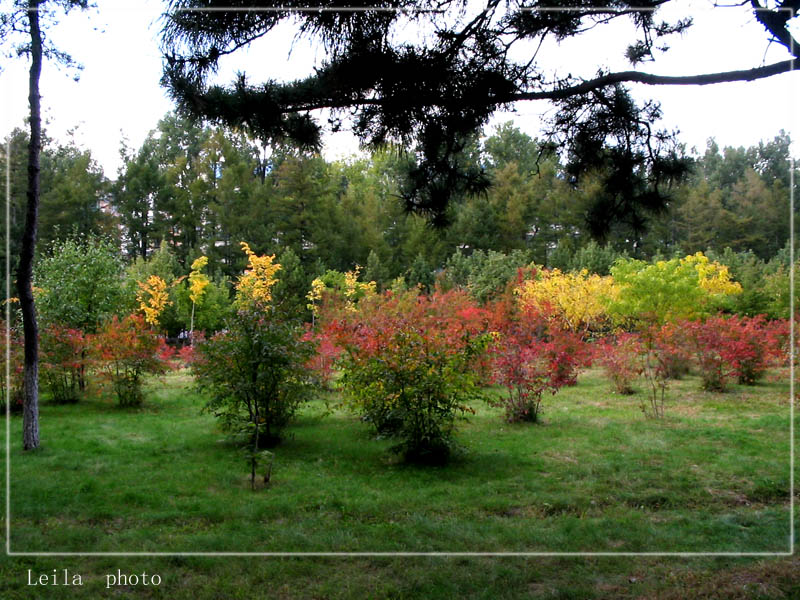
pixel 254 372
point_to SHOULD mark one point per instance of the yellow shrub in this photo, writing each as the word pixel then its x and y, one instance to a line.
pixel 576 300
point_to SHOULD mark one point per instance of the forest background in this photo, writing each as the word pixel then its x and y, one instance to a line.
pixel 191 190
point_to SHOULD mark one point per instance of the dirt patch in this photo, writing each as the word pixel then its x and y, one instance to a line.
pixel 772 579
pixel 561 457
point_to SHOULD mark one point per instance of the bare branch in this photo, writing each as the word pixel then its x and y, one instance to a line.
pixel 650 79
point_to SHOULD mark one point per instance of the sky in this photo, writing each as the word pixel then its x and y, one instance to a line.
pixel 118 96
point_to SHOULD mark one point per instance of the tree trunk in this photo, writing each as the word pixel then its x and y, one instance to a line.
pixel 191 327
pixel 30 415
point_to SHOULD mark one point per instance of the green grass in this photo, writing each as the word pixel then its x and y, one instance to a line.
pixel 595 476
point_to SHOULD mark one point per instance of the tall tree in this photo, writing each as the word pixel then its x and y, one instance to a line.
pixel 135 196
pixel 438 89
pixel 74 193
pixel 25 17
pixel 30 416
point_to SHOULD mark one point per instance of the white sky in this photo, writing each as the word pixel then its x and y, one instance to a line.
pixel 119 94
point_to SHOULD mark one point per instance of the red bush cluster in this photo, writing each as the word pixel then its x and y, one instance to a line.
pixel 16 383
pixel 526 355
pixel 124 350
pixel 64 359
pixel 725 348
pixel 719 349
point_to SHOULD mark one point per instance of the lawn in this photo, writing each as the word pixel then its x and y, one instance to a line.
pixel 594 476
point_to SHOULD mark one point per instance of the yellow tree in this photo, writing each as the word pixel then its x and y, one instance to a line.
pixel 152 298
pixel 342 287
pixel 198 282
pixel 254 287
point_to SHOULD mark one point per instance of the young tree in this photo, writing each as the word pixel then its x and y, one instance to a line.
pixel 79 283
pixel 198 282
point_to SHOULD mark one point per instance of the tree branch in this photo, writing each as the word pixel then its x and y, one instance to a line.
pixel 650 79
pixel 585 87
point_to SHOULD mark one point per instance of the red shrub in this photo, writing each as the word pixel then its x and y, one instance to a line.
pixel 621 358
pixel 166 352
pixel 125 351
pixel 16 368
pixel 752 346
pixel 566 354
pixel 410 365
pixel 530 358
pixel 323 362
pixel 522 367
pixel 707 341
pixel 63 361
pixel 728 347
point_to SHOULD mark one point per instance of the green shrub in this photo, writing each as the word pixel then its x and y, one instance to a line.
pixel 255 375
pixel 79 281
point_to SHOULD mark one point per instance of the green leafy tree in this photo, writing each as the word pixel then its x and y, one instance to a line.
pixel 74 194
pixel 595 258
pixel 679 288
pixel 491 272
pixel 303 209
pixel 420 274
pixel 161 263
pixel 136 195
pixel 376 270
pixel 237 198
pixel 293 282
pixel 254 374
pixel 210 312
pixel 754 276
pixel 80 283
pixel 508 144
pixel 79 286
pixel 17 143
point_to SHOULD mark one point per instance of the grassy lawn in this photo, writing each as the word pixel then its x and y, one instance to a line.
pixel 595 476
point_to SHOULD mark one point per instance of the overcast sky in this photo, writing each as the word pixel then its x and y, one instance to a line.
pixel 118 95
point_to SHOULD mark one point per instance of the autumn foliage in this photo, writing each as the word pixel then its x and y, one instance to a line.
pixel 254 372
pixel 12 389
pixel 621 359
pixel 125 350
pixel 254 287
pixel 733 348
pixel 408 366
pixel 153 298
pixel 577 301
pixel 531 354
pixel 63 361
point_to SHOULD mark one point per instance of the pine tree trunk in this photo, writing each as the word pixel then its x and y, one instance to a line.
pixel 30 415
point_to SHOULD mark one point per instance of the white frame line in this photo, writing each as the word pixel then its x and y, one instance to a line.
pixel 408 554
